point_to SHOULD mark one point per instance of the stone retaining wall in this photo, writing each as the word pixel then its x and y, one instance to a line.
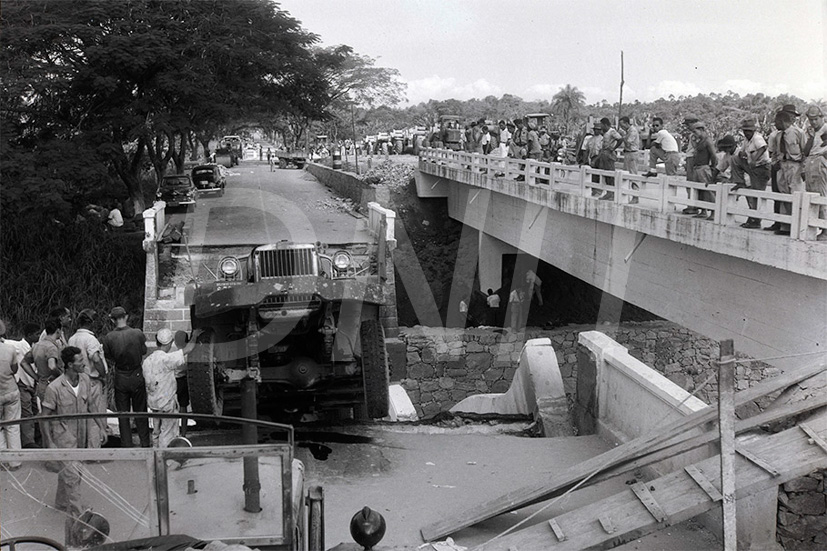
pixel 802 512
pixel 443 366
pixel 347 184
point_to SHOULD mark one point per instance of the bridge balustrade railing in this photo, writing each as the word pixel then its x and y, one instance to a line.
pixel 667 194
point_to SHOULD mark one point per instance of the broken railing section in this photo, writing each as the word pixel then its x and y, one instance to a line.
pixel 673 439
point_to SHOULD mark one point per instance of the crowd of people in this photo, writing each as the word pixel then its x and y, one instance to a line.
pixel 61 367
pixel 518 138
pixel 792 158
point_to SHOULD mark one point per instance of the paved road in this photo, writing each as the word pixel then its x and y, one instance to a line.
pixel 260 206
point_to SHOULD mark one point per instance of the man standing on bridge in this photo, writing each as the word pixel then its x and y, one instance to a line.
pixel 753 159
pixel 815 164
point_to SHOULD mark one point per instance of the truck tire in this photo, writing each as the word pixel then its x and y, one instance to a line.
pixel 205 396
pixel 282 163
pixel 374 368
pixel 300 165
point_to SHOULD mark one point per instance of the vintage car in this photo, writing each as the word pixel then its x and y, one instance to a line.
pixel 177 191
pixel 209 178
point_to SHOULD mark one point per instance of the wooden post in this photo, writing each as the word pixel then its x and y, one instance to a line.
pixel 726 427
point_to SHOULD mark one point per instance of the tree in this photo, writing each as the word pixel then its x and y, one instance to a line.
pixel 135 79
pixel 568 103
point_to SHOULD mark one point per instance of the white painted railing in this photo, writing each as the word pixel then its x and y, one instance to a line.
pixel 662 193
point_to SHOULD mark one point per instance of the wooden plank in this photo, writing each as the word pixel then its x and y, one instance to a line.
pixel 631 450
pixel 685 443
pixel 558 532
pixel 757 460
pixel 703 482
pixel 677 496
pixel 648 500
pixel 726 428
pixel 820 442
pixel 607 524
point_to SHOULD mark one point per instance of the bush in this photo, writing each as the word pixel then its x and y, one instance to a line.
pixel 47 265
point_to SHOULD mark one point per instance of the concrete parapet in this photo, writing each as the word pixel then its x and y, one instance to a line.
pixel 536 389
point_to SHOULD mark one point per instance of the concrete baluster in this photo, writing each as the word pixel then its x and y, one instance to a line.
pixel 584 174
pixel 731 201
pixel 721 192
pixel 619 187
pixel 808 212
pixel 530 172
pixel 665 192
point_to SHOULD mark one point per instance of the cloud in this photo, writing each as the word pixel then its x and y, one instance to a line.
pixel 438 88
pixel 677 88
pixel 542 91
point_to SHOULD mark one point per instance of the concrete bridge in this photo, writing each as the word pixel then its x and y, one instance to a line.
pixel 767 292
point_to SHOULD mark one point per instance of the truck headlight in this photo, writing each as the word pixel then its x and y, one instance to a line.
pixel 342 260
pixel 229 266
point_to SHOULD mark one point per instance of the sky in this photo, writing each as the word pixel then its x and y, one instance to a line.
pixel 530 48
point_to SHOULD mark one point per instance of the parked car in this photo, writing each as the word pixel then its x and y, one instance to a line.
pixel 177 191
pixel 209 178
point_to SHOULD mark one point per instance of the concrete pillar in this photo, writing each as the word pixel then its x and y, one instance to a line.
pixel 491 251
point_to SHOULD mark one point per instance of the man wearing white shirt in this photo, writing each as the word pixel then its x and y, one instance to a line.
pixel 753 159
pixel 27 384
pixel 665 148
pixel 815 162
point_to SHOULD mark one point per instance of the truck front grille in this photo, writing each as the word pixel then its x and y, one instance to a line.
pixel 286 262
pixel 286 301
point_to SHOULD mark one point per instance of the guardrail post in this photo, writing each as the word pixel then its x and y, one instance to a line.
pixel 665 192
pixel 584 173
pixel 731 201
pixel 721 192
pixel 618 187
pixel 552 177
pixel 807 211
pixel 530 172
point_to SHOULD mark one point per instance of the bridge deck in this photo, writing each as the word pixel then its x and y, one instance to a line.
pixel 648 205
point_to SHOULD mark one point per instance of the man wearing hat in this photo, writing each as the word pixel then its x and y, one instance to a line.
pixel 752 159
pixel 703 160
pixel 815 163
pixel 93 365
pixel 786 147
pixel 124 348
pixel 161 391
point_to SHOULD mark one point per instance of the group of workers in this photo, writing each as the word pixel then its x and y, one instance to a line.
pixel 53 370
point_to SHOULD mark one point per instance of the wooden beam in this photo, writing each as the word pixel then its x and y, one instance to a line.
pixel 631 450
pixel 688 443
pixel 726 428
pixel 678 495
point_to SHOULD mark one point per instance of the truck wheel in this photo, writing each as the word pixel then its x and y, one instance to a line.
pixel 315 522
pixel 374 368
pixel 282 163
pixel 300 165
pixel 205 396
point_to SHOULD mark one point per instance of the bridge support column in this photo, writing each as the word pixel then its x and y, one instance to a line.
pixel 491 261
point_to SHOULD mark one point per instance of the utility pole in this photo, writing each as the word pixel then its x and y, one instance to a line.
pixel 622 82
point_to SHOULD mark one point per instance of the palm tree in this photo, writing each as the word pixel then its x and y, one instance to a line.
pixel 567 103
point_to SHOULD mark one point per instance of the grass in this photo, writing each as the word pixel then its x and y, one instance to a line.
pixel 46 265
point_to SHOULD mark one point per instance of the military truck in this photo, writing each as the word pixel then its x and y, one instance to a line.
pixel 301 319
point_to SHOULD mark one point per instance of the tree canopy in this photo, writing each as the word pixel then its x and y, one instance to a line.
pixel 97 90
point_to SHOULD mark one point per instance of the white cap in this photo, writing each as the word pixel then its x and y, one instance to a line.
pixel 164 336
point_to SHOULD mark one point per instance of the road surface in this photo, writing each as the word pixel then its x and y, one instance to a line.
pixel 260 206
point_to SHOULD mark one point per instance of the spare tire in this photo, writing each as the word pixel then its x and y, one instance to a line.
pixel 374 368
pixel 202 377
